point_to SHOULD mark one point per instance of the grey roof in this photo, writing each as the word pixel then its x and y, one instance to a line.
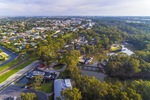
pixel 59 85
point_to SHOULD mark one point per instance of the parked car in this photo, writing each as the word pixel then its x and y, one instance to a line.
pixel 34 73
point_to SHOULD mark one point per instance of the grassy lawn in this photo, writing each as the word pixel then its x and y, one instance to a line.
pixel 50 97
pixel 15 61
pixel 9 64
pixel 46 87
pixel 4 56
pixel 57 67
pixel 66 36
pixel 13 71
pixel 115 47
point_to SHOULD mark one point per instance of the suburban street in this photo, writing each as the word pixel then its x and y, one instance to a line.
pixel 18 75
pixel 13 90
pixel 10 53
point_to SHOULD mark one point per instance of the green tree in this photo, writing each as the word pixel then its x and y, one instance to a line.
pixel 28 96
pixel 37 80
pixel 71 58
pixel 71 94
pixel 1 50
pixel 135 64
pixel 142 87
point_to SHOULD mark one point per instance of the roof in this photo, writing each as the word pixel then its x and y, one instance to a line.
pixel 59 85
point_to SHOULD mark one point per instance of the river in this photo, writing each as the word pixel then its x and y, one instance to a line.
pixel 10 53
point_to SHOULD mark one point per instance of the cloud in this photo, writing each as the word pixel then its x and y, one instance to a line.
pixel 74 7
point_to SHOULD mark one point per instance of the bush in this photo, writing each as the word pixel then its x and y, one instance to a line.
pixel 2 58
pixel 1 50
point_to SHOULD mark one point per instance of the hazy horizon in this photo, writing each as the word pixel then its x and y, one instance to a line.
pixel 74 8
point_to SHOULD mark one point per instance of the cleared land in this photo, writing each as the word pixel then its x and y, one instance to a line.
pixel 115 47
pixel 46 87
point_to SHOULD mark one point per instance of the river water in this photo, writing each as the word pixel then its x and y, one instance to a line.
pixel 10 53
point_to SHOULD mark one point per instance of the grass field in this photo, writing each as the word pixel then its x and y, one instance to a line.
pixel 66 36
pixel 46 87
pixel 15 61
pixel 58 67
pixel 115 47
pixel 9 64
pixel 4 76
pixel 4 56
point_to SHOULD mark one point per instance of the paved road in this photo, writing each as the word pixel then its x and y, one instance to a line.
pixel 40 95
pixel 10 53
pixel 13 66
pixel 18 75
pixel 13 90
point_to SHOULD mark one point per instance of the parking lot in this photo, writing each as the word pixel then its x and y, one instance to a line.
pixel 15 91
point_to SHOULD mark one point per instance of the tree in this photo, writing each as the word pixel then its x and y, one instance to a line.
pixel 28 96
pixel 142 87
pixel 71 94
pixel 1 50
pixel 37 80
pixel 71 58
pixel 48 50
pixel 82 50
pixel 135 64
pixel 122 64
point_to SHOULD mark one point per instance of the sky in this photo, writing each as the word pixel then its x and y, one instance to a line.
pixel 74 7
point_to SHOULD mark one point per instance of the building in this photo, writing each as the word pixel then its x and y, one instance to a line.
pixel 60 85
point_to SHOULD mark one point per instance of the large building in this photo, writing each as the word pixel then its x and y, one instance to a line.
pixel 60 85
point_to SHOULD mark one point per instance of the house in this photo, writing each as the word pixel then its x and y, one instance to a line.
pixel 85 60
pixel 89 60
pixel 60 85
pixel 41 66
pixel 34 73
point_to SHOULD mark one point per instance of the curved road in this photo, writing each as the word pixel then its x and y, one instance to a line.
pixel 10 53
pixel 13 90
pixel 40 95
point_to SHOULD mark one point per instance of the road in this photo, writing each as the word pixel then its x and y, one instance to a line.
pixel 10 53
pixel 13 90
pixel 13 66
pixel 18 75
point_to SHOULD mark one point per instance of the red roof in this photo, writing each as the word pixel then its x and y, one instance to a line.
pixel 41 65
